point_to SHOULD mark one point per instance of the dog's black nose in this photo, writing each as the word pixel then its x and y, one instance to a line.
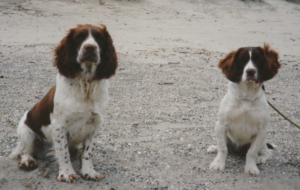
pixel 90 48
pixel 250 72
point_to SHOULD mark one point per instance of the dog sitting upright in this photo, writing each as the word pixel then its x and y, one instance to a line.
pixel 243 115
pixel 72 112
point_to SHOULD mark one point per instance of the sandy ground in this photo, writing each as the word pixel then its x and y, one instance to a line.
pixel 161 115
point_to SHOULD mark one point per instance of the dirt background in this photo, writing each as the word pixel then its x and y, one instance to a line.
pixel 165 95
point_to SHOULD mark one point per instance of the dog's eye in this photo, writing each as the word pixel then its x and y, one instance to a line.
pixel 257 55
pixel 242 56
pixel 243 59
pixel 257 59
pixel 97 36
pixel 81 36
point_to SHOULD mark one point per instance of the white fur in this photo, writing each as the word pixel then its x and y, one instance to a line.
pixel 243 118
pixel 26 137
pixel 78 112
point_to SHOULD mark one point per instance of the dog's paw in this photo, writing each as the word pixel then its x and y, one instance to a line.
pixel 264 155
pixel 91 175
pixel 68 177
pixel 253 170
pixel 261 159
pixel 212 149
pixel 27 163
pixel 217 164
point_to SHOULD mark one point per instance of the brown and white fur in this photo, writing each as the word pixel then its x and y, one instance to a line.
pixel 73 110
pixel 243 115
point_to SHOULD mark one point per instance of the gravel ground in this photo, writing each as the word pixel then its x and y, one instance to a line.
pixel 164 98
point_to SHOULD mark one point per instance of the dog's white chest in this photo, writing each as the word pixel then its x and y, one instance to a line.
pixel 80 125
pixel 245 121
pixel 78 114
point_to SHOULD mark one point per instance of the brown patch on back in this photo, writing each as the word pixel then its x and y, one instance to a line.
pixel 39 115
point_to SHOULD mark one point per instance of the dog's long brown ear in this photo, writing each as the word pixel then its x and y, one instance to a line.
pixel 109 60
pixel 227 65
pixel 65 56
pixel 271 63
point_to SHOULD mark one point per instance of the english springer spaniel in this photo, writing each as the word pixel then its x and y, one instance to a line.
pixel 243 115
pixel 73 110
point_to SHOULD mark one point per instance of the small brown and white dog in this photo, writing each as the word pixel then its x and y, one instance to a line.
pixel 73 110
pixel 243 115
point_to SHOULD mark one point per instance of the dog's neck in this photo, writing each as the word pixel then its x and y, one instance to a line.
pixel 246 90
pixel 84 83
pixel 88 71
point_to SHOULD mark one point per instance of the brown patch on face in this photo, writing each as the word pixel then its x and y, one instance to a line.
pixel 67 51
pixel 233 64
pixel 272 65
pixel 266 62
pixel 39 115
pixel 108 56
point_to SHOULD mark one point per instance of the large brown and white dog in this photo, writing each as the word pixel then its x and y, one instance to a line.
pixel 243 114
pixel 73 110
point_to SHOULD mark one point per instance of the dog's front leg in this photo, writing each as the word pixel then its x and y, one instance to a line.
pixel 66 172
pixel 219 161
pixel 252 153
pixel 87 169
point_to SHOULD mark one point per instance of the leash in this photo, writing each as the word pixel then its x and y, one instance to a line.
pixel 285 117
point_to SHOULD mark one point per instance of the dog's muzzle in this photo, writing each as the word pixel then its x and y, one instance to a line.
pixel 251 75
pixel 90 54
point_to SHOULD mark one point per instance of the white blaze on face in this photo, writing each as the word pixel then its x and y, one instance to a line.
pixel 249 65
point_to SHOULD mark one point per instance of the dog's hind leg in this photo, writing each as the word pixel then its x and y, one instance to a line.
pixel 24 149
pixel 265 153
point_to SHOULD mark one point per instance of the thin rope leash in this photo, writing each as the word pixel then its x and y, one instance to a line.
pixel 285 117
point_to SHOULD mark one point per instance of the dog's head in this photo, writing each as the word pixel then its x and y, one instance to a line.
pixel 86 49
pixel 250 64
